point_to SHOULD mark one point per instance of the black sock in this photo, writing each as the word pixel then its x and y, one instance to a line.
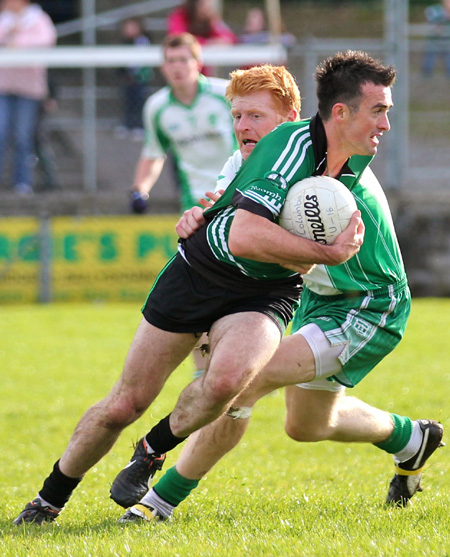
pixel 161 439
pixel 58 487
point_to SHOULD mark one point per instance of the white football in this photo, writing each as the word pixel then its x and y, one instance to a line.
pixel 317 208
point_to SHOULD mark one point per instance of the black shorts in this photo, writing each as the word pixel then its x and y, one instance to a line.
pixel 184 301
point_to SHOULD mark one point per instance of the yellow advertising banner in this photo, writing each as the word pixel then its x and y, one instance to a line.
pixel 20 266
pixel 99 258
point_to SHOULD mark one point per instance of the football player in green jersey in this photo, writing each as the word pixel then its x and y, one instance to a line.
pixel 341 336
pixel 245 316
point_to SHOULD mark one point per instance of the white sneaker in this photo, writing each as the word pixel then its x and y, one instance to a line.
pixel 141 513
pixel 408 474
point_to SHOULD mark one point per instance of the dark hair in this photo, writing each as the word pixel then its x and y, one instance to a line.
pixel 341 77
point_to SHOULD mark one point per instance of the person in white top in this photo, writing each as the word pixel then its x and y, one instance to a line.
pixel 190 117
pixel 22 90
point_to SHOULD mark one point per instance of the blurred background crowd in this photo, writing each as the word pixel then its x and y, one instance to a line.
pixel 70 136
pixel 40 146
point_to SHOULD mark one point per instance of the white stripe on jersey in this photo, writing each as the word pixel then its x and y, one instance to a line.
pixel 299 160
pixel 266 201
pixel 351 276
pixel 361 287
pixel 287 150
pixel 218 226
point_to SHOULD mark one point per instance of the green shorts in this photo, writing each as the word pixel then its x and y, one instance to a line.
pixel 369 325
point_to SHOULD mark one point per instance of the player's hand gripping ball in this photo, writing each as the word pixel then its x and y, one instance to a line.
pixel 317 208
pixel 139 202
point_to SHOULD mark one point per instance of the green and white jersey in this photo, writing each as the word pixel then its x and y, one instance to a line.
pixel 379 261
pixel 291 152
pixel 229 171
pixel 200 136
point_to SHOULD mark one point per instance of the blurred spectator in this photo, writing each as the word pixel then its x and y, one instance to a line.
pixel 255 30
pixel 135 82
pixel 201 19
pixel 61 10
pixel 22 90
pixel 438 43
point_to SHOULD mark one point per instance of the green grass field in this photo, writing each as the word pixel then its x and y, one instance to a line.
pixel 271 496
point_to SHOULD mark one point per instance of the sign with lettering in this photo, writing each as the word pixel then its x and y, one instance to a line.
pixel 20 267
pixel 84 258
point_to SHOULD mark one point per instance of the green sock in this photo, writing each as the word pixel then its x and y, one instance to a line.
pixel 174 488
pixel 400 436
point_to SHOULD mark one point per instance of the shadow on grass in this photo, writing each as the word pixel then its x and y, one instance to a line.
pixel 7 528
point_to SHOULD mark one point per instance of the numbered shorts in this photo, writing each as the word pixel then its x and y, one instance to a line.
pixel 358 331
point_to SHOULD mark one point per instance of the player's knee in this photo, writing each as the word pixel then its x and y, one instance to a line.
pixel 221 389
pixel 306 432
pixel 121 412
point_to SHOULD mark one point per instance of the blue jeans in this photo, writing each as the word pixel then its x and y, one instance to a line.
pixel 18 119
pixel 134 96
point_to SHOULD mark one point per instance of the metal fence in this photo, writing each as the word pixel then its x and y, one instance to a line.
pixel 87 158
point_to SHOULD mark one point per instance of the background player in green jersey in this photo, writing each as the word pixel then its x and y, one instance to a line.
pixel 245 316
pixel 318 409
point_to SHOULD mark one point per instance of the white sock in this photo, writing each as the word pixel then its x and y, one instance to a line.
pixel 45 503
pixel 412 446
pixel 148 448
pixel 152 499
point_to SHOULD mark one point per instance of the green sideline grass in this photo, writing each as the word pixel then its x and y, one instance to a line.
pixel 271 496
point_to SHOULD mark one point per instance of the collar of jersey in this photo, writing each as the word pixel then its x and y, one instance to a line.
pixel 203 85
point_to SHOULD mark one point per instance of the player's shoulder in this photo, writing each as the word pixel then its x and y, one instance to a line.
pixel 359 163
pixel 288 132
pixel 370 182
pixel 214 85
pixel 233 163
pixel 368 176
pixel 229 171
pixel 300 127
pixel 236 159
pixel 158 100
pixel 35 15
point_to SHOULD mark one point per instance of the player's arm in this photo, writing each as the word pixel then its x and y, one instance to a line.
pixel 255 237
pixel 145 177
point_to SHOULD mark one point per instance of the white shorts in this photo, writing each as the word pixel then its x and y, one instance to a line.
pixel 326 357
